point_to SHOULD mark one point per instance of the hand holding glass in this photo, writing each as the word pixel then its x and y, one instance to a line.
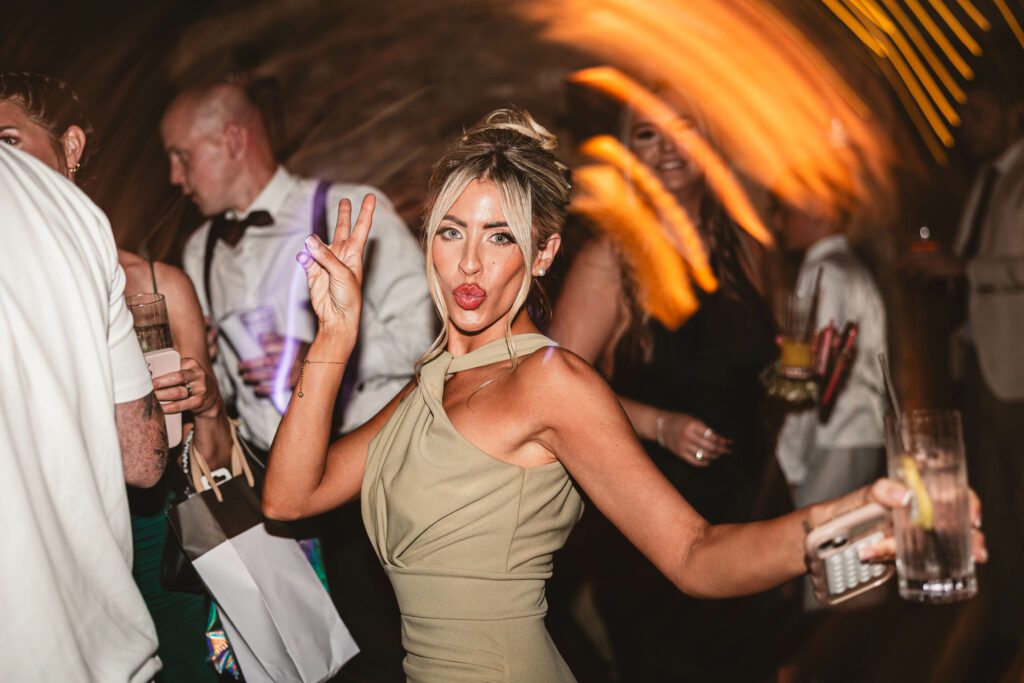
pixel 933 535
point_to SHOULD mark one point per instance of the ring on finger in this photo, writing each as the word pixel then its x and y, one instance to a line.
pixel 707 432
pixel 188 389
pixel 699 455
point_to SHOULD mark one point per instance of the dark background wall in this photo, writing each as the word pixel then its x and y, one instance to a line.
pixel 369 91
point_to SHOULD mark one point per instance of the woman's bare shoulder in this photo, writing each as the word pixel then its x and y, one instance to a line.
pixel 173 280
pixel 557 371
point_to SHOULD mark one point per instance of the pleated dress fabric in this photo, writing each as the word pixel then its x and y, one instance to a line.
pixel 466 539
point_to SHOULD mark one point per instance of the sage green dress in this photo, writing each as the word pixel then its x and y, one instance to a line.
pixel 466 539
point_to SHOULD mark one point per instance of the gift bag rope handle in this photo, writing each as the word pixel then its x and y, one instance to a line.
pixel 239 465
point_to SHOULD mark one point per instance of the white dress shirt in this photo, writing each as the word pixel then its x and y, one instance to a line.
pixel 397 316
pixel 848 293
pixel 71 609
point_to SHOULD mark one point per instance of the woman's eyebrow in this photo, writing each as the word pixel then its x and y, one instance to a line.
pixel 453 219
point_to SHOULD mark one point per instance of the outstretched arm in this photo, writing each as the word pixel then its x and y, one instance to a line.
pixel 302 477
pixel 591 436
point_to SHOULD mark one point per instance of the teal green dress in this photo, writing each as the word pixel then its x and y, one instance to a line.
pixel 180 618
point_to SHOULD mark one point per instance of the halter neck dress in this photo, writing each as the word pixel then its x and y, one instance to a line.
pixel 466 539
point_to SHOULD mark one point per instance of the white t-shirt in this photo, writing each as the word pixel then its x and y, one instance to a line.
pixel 70 608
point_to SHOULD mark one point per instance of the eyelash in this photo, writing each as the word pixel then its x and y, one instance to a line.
pixel 9 140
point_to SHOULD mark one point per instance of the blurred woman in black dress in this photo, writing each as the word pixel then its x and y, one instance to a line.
pixel 694 397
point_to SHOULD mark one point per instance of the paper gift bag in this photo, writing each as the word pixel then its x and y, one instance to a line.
pixel 279 620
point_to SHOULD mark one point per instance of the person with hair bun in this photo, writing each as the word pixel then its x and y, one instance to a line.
pixel 470 477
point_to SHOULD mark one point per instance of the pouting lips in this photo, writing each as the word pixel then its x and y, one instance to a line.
pixel 469 296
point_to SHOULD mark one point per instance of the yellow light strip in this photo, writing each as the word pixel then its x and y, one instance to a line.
pixel 1004 9
pixel 726 187
pixel 940 39
pixel 857 28
pixel 609 150
pixel 603 196
pixel 958 29
pixel 924 77
pixel 912 85
pixel 975 14
pixel 926 50
pixel 935 148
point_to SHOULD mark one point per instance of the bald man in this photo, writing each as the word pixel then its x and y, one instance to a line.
pixel 243 258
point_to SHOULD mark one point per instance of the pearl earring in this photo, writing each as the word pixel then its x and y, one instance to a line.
pixel 541 272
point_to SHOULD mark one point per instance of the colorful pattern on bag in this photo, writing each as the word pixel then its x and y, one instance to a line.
pixel 311 549
pixel 220 654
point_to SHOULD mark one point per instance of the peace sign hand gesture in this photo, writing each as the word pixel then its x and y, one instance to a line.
pixel 334 272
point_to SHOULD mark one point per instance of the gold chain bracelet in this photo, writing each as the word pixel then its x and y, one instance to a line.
pixel 302 370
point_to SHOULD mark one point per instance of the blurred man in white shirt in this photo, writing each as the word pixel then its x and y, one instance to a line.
pixel 988 257
pixel 244 257
pixel 824 460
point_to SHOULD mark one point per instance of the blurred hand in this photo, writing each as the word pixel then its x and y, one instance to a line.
pixel 260 372
pixel 335 272
pixel 212 331
pixel 934 265
pixel 187 389
pixel 687 437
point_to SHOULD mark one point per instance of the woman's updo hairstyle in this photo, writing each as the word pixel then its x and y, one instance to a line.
pixel 53 105
pixel 511 150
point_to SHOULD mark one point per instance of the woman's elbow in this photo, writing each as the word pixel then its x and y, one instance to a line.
pixel 693 574
pixel 275 509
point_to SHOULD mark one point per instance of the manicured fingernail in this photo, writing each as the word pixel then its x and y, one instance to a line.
pixel 977 523
pixel 907 497
pixel 983 555
pixel 312 241
pixel 865 554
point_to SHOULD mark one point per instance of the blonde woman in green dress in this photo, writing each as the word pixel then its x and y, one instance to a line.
pixel 468 478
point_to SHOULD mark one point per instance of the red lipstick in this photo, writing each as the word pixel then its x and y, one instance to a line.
pixel 469 297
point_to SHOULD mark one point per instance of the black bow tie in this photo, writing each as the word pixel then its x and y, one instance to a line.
pixel 231 229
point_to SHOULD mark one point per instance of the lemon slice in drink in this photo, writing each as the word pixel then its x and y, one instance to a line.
pixel 924 512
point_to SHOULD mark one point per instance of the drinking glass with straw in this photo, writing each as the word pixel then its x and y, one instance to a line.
pixel 933 535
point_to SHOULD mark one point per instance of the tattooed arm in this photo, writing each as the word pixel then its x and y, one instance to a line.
pixel 143 437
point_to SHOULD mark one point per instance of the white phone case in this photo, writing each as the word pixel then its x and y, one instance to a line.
pixel 837 544
pixel 160 363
